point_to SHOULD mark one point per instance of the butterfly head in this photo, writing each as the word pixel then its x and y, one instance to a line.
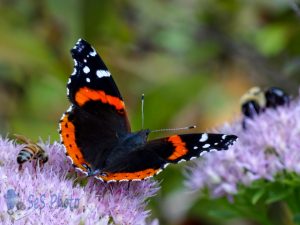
pixel 136 139
pixel 143 134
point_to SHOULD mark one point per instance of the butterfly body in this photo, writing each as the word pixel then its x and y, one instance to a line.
pixel 96 132
pixel 131 142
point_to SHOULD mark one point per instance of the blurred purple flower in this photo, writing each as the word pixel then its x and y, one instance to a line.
pixel 51 198
pixel 270 145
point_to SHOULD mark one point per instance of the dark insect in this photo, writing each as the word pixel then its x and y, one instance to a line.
pixel 255 101
pixel 97 135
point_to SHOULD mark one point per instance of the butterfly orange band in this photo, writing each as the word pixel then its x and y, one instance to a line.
pixel 85 94
pixel 180 149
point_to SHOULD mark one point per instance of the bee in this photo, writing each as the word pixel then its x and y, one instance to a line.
pixel 256 100
pixel 31 151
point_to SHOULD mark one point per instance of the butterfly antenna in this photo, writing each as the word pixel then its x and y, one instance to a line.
pixel 173 129
pixel 143 97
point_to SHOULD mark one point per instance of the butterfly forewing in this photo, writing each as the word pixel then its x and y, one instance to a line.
pixel 97 117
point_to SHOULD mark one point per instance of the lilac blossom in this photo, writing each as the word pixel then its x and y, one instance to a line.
pixel 269 146
pixel 50 196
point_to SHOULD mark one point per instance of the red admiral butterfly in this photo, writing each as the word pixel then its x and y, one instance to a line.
pixel 97 136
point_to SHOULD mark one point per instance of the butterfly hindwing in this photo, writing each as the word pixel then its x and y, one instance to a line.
pixel 155 155
pixel 188 146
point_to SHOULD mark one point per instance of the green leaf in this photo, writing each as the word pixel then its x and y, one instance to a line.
pixel 224 214
pixel 258 195
pixel 271 40
pixel 277 196
pixel 296 218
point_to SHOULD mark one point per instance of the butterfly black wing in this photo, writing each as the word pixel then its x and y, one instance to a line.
pixel 97 117
pixel 153 157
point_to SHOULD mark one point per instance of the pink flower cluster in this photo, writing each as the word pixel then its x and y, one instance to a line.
pixel 49 196
pixel 268 146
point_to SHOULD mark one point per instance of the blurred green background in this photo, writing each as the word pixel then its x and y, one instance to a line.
pixel 193 60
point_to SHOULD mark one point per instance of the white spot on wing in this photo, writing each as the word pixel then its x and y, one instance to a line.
pixel 74 71
pixel 203 138
pixel 136 180
pixel 111 181
pixel 98 178
pixel 84 60
pixel 124 180
pixel 61 118
pixel 206 146
pixel 195 147
pixel 86 69
pixel 79 40
pixel 61 139
pixel 158 171
pixel 69 81
pixel 70 108
pixel 65 151
pixel 70 159
pixel 93 53
pixel 224 136
pixel 203 153
pixel 102 73
pixel 88 80
pixel 75 62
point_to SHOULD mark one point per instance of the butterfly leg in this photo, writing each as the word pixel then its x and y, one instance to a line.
pixel 128 186
pixel 34 164
pixel 20 167
pixel 91 172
